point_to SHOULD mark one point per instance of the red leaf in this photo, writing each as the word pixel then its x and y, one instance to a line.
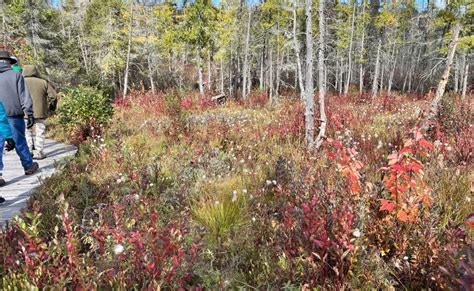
pixel 470 221
pixel 415 167
pixel 402 215
pixel 425 144
pixel 406 150
pixel 398 168
pixel 355 187
pixel 386 205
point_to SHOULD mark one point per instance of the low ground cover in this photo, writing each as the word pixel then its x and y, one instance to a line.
pixel 176 192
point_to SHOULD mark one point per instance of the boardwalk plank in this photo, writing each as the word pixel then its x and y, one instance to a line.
pixel 19 187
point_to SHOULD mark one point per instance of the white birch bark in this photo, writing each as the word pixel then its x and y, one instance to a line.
pixel 309 100
pixel 375 82
pixel 296 44
pixel 129 48
pixel 434 106
pixel 361 64
pixel 464 83
pixel 321 76
pixel 246 56
pixel 456 73
pixel 349 57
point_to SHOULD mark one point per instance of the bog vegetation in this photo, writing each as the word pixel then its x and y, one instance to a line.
pixel 176 192
pixel 171 189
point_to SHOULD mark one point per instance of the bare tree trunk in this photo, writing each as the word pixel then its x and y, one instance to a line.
pixel 341 76
pixel 149 62
pixel 33 24
pixel 246 56
pixel 231 81
pixel 382 73
pixel 297 50
pixel 201 80
pixel 392 63
pixel 321 76
pixel 262 70
pixel 375 82
pixel 309 99
pixel 222 76
pixel 434 106
pixel 150 75
pixel 464 83
pixel 127 64
pixel 278 66
pixel 457 68
pixel 83 53
pixel 361 61
pixel 349 58
pixel 249 81
pixel 271 78
pixel 209 72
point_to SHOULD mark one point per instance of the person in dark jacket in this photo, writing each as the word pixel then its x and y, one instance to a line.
pixel 17 103
pixel 44 100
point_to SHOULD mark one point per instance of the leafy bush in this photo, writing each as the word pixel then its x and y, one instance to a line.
pixel 83 105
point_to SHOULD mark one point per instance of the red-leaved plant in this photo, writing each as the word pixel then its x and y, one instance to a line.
pixel 404 180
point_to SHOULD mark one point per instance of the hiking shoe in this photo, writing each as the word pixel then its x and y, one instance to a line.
pixel 2 199
pixel 31 170
pixel 38 155
pixel 2 181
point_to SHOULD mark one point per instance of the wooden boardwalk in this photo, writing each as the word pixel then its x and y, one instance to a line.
pixel 19 187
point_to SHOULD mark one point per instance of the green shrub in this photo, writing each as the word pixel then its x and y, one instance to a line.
pixel 83 105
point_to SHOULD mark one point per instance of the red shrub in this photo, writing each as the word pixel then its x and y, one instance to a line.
pixel 187 103
pixel 206 103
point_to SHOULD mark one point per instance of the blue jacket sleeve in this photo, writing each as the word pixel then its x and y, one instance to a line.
pixel 5 130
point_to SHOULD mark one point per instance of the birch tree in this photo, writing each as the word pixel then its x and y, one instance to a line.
pixel 321 75
pixel 375 80
pixel 434 106
pixel 349 53
pixel 309 99
pixel 245 90
pixel 129 47
pixel 299 71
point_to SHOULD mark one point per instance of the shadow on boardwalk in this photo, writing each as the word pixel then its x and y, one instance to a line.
pixel 19 187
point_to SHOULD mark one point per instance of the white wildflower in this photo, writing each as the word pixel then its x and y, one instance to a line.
pixel 379 145
pixel 118 249
pixel 234 196
pixel 356 233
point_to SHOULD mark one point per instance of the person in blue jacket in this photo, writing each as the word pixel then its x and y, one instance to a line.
pixel 6 137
